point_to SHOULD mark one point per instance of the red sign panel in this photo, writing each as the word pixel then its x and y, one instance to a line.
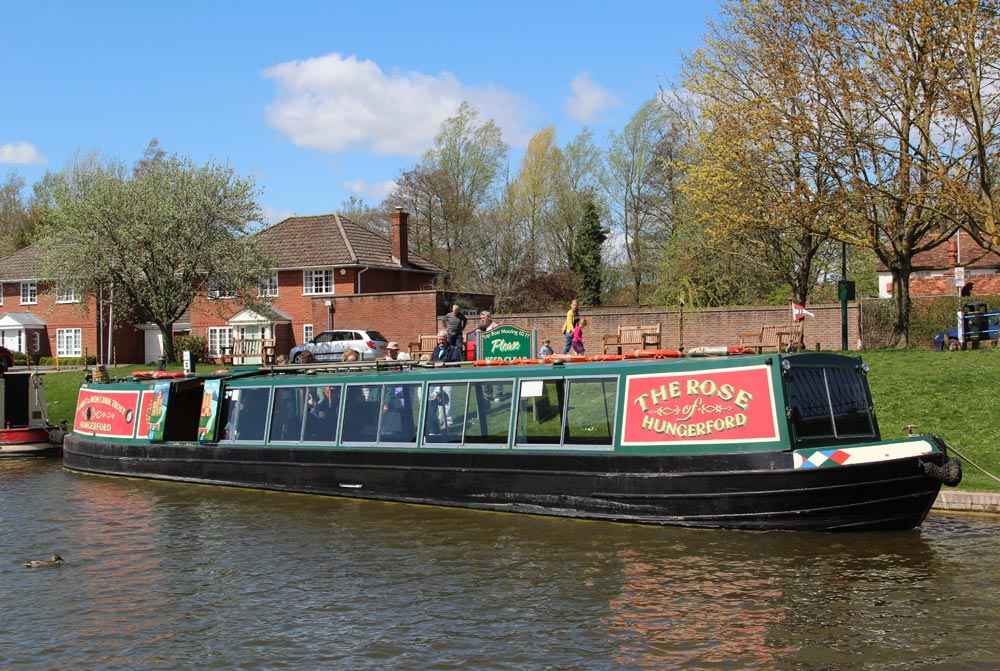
pixel 106 413
pixel 717 406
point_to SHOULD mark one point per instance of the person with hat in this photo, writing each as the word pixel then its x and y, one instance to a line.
pixel 393 353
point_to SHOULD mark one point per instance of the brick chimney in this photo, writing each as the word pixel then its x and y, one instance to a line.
pixel 953 251
pixel 400 237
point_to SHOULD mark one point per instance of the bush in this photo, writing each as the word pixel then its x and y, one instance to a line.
pixel 197 345
pixel 928 317
pixel 68 360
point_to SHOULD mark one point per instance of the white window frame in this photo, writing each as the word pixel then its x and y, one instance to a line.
pixel 2 287
pixel 66 294
pixel 307 332
pixel 219 337
pixel 69 342
pixel 267 287
pixel 216 291
pixel 322 276
pixel 29 293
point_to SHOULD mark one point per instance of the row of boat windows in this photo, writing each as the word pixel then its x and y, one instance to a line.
pixel 576 412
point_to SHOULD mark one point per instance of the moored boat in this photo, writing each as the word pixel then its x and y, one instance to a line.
pixel 747 442
pixel 24 427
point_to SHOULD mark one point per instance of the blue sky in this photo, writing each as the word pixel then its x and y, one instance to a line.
pixel 319 101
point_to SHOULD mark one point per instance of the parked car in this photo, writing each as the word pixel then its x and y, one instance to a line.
pixel 6 359
pixel 330 345
pixel 979 325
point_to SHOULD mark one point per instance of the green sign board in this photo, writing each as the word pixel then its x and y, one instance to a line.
pixel 506 342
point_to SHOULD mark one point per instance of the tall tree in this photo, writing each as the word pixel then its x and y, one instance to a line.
pixel 15 224
pixel 635 194
pixel 534 189
pixel 155 236
pixel 588 270
pixel 577 186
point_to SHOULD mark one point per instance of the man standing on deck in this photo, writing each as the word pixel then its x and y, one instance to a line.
pixel 454 323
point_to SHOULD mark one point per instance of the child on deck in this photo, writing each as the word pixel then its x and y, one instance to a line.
pixel 578 347
pixel 546 349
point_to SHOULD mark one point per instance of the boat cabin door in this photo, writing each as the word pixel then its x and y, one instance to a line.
pixel 22 400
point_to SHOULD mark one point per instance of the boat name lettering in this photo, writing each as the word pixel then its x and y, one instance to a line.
pixel 698 388
pixel 103 427
pixel 695 429
pixel 107 400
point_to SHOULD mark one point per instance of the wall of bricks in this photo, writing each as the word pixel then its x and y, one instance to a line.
pixel 702 327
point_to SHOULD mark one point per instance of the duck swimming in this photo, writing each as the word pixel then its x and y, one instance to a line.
pixel 42 563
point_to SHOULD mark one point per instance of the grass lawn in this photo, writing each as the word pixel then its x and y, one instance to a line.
pixel 952 394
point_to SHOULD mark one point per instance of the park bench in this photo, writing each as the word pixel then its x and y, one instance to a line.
pixel 249 351
pixel 424 344
pixel 769 338
pixel 632 337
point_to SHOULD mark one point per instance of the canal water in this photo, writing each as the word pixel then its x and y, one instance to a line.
pixel 173 576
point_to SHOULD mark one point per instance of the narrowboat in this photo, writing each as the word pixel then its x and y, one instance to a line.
pixel 756 442
pixel 24 428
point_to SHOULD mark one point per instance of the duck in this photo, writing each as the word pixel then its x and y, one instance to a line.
pixel 43 563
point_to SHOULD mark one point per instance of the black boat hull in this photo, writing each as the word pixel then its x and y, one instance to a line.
pixel 753 491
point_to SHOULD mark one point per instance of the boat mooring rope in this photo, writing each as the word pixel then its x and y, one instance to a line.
pixel 972 463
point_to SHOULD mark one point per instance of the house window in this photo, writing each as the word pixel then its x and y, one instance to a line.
pixel 307 332
pixel 268 286
pixel 2 287
pixel 69 342
pixel 66 294
pixel 29 293
pixel 219 337
pixel 317 282
pixel 220 289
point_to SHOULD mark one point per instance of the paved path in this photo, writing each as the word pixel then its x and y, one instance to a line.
pixel 971 502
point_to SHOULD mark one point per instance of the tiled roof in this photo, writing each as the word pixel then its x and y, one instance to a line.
pixel 24 264
pixel 969 254
pixel 331 240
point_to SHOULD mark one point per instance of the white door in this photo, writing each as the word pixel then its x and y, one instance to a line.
pixel 11 339
pixel 153 344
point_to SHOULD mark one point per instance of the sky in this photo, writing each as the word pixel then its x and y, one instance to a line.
pixel 319 101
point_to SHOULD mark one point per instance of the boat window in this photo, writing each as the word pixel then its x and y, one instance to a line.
pixel 487 419
pixel 246 413
pixel 828 403
pixel 400 412
pixel 445 415
pixel 322 414
pixel 287 412
pixel 590 413
pixel 539 412
pixel 361 406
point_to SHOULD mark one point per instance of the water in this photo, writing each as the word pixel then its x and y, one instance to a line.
pixel 172 576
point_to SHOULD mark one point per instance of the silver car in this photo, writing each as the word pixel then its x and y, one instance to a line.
pixel 330 345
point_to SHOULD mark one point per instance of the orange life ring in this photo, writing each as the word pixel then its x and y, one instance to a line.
pixel 164 374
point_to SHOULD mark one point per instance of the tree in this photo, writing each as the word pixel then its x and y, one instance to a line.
pixel 533 192
pixel 635 195
pixel 586 265
pixel 156 236
pixel 576 188
pixel 15 228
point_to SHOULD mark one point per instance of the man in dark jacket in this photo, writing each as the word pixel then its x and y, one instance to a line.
pixel 444 351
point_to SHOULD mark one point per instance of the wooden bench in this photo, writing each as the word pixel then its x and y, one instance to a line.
pixel 768 338
pixel 246 351
pixel 424 344
pixel 633 337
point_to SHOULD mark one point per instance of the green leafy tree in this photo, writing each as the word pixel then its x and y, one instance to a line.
pixel 586 264
pixel 15 223
pixel 153 237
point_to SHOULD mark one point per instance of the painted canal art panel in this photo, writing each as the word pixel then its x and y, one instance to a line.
pixel 153 411
pixel 717 406
pixel 209 410
pixel 106 413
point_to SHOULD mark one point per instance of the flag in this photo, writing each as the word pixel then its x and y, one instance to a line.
pixel 800 313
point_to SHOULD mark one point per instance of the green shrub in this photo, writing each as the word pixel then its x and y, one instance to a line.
pixel 197 345
pixel 67 360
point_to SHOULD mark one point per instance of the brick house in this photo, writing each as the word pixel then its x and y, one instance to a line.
pixel 329 272
pixel 934 270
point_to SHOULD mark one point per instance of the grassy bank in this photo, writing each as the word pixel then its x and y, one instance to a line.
pixel 952 394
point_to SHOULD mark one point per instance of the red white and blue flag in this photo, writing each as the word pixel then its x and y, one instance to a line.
pixel 799 312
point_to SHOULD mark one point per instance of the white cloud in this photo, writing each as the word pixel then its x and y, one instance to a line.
pixel 336 104
pixel 273 216
pixel 589 99
pixel 374 190
pixel 20 152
